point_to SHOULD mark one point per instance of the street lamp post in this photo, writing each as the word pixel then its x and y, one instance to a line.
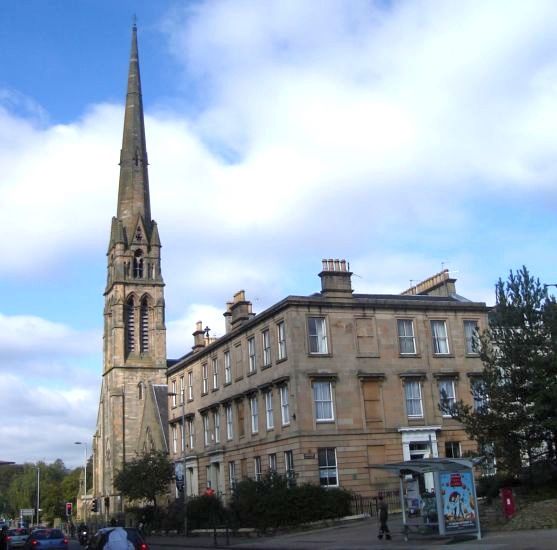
pixel 38 491
pixel 84 480
pixel 185 486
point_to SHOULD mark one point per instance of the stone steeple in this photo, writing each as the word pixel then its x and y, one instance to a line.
pixel 133 192
pixel 134 339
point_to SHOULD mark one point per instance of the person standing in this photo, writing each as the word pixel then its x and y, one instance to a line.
pixel 383 517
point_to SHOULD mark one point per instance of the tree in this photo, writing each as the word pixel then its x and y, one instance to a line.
pixel 146 477
pixel 7 474
pixel 18 488
pixel 515 410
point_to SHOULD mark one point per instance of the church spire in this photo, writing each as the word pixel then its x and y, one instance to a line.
pixel 133 192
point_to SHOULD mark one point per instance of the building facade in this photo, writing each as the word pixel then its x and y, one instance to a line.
pixel 316 387
pixel 133 398
pixel 320 387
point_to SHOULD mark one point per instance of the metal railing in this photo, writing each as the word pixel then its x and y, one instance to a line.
pixel 370 505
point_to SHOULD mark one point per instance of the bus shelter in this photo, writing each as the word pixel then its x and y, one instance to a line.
pixel 451 508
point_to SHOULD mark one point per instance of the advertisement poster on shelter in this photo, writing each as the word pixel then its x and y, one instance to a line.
pixel 459 505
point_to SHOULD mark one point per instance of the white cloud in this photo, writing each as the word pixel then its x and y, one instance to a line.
pixel 372 107
pixel 396 135
pixel 30 336
pixel 371 95
pixel 179 339
pixel 42 423
pixel 50 374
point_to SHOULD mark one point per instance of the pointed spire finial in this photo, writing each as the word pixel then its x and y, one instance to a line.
pixel 134 21
pixel 133 192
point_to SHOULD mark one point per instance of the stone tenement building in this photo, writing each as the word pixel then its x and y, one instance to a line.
pixel 132 413
pixel 319 387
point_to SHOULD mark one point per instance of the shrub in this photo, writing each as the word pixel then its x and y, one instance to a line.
pixel 489 486
pixel 205 512
pixel 270 503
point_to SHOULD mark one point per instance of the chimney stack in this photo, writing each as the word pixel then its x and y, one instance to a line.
pixel 440 284
pixel 336 279
pixel 228 318
pixel 198 337
pixel 240 310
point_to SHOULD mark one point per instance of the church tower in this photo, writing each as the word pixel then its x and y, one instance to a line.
pixel 134 341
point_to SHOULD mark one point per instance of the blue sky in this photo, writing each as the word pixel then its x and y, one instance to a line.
pixel 403 136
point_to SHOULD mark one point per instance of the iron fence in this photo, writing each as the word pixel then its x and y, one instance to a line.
pixel 370 505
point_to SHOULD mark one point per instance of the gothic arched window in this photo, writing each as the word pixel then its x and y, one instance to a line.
pixel 140 391
pixel 138 265
pixel 130 325
pixel 144 325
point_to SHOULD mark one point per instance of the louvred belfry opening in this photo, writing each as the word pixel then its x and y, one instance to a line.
pixel 144 326
pixel 130 325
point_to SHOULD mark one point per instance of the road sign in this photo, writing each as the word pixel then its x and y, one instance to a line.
pixel 27 512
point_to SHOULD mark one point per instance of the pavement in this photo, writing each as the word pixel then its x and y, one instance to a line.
pixel 362 535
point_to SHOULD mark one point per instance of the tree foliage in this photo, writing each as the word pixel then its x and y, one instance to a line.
pixel 18 488
pixel 518 419
pixel 146 477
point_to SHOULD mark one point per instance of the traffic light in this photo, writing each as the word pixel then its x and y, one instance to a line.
pixel 94 505
pixel 68 508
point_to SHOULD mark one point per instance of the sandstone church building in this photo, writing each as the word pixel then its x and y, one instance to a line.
pixel 133 400
pixel 316 387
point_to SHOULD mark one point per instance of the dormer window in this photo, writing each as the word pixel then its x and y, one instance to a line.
pixel 138 265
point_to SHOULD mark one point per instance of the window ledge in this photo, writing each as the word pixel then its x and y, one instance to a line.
pixel 443 355
pixel 410 355
pixel 263 367
pixel 281 360
pixel 251 373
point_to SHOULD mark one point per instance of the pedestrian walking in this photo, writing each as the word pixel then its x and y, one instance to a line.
pixel 383 517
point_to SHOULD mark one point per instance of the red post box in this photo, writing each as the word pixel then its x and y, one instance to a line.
pixel 507 500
